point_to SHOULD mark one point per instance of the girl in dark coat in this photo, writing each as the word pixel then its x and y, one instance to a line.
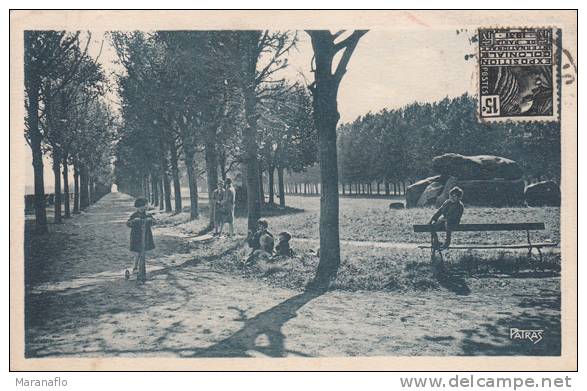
pixel 141 237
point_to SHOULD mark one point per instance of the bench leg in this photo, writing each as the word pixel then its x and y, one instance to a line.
pixel 532 247
pixel 539 253
pixel 433 256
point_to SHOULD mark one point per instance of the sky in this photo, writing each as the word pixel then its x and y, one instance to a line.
pixel 393 68
pixel 389 69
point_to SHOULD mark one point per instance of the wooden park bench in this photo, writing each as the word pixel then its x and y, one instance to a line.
pixel 484 228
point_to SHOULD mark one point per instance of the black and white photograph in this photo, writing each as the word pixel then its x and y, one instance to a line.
pixel 197 185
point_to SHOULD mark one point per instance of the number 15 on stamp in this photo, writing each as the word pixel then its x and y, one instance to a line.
pixel 490 106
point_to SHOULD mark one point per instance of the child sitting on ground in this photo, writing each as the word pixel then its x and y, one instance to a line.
pixel 141 237
pixel 261 242
pixel 283 247
pixel 448 216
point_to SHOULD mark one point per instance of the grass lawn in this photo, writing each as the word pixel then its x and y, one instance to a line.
pixel 373 267
pixel 371 220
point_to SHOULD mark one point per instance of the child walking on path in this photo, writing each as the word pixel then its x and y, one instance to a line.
pixel 141 237
pixel 448 215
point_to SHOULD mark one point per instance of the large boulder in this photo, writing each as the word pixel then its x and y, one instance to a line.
pixel 415 190
pixel 430 194
pixel 545 193
pixel 450 183
pixel 494 192
pixel 476 167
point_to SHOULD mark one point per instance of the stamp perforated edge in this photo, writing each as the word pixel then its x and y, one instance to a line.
pixel 556 89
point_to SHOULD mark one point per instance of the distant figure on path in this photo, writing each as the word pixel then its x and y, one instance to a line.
pixel 216 204
pixel 141 237
pixel 448 216
pixel 228 207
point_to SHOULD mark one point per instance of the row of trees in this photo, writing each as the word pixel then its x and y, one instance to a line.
pixel 208 101
pixel 398 145
pixel 66 119
pixel 214 99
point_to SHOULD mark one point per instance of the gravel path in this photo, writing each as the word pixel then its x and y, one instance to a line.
pixel 78 304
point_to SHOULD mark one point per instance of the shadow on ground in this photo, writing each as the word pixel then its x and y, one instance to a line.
pixel 260 334
pixel 268 324
pixel 494 339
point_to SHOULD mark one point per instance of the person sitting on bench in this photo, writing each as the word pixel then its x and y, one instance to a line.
pixel 448 216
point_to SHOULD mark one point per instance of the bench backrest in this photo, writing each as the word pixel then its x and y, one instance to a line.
pixel 482 227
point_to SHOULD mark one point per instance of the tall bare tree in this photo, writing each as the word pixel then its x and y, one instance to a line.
pixel 324 90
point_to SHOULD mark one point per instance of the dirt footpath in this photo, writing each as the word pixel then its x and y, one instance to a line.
pixel 78 304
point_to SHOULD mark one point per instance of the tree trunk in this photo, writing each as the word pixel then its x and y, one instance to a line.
pixel 145 188
pixel 386 187
pixel 281 187
pixel 261 188
pixel 211 169
pixel 176 182
pixel 66 207
pixel 76 186
pixel 57 188
pixel 154 190
pixel 271 173
pixel 192 180
pixel 167 188
pixel 161 193
pixel 248 52
pixel 222 162
pixel 326 117
pixel 32 89
pixel 84 197
pixel 92 189
pixel 252 179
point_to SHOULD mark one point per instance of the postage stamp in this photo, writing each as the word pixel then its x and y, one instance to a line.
pixel 518 74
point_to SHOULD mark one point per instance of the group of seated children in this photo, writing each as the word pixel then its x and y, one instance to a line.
pixel 262 243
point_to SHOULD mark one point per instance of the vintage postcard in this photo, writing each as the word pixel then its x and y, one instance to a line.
pixel 293 190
